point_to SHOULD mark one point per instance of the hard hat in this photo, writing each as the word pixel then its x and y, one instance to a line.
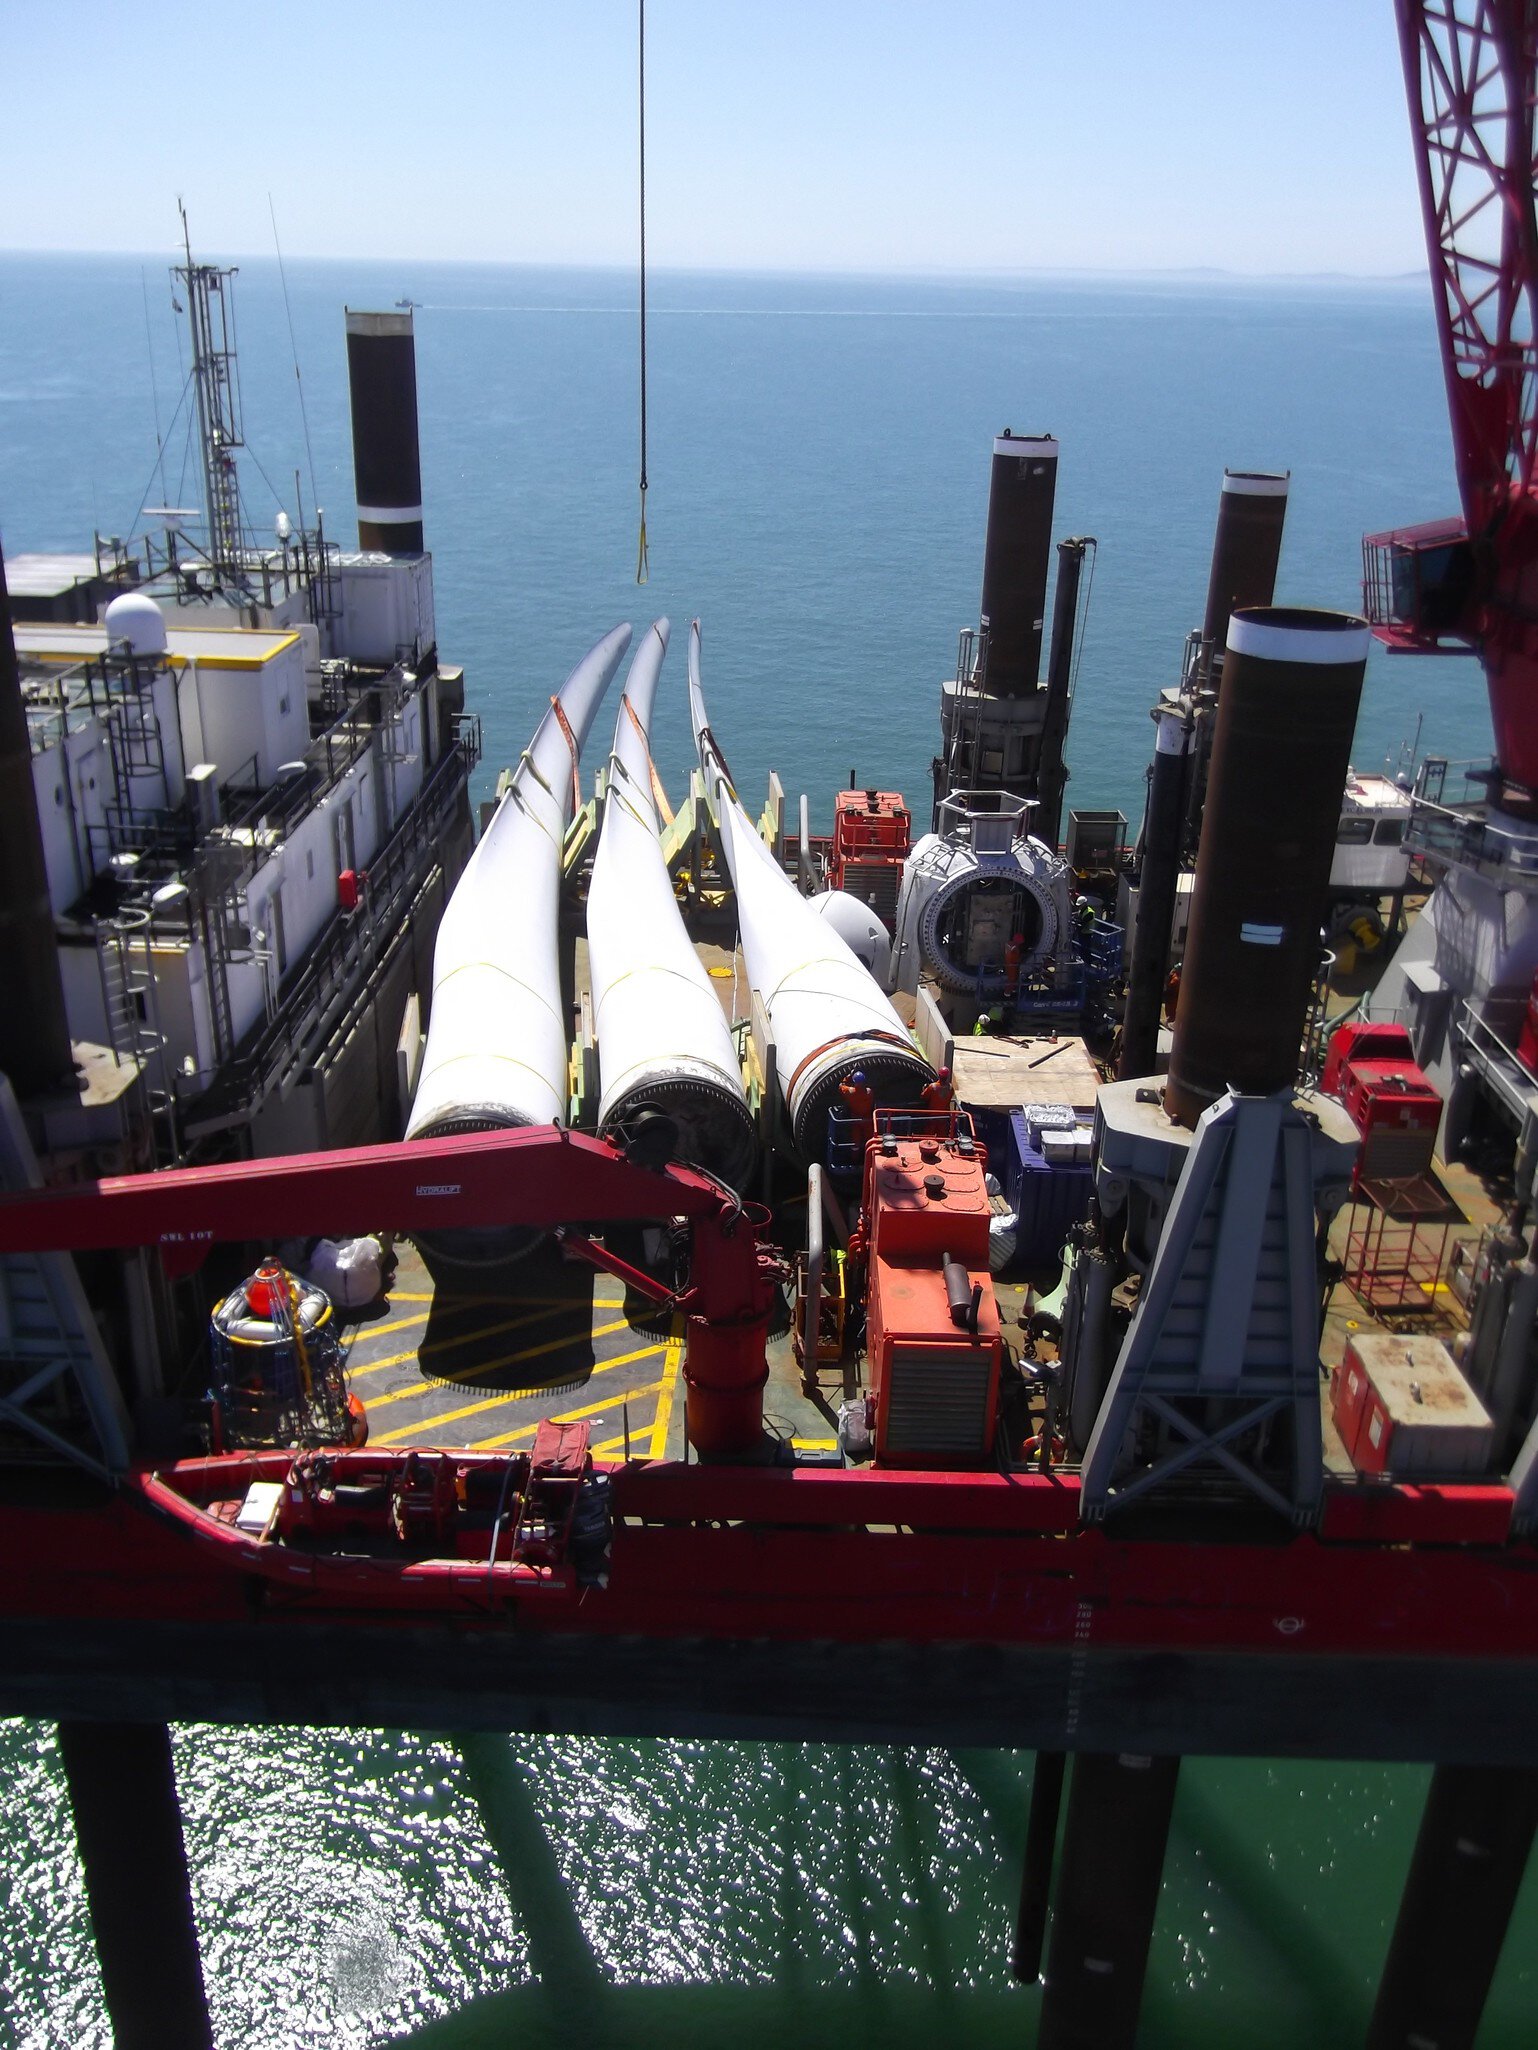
pixel 858 1075
pixel 943 1075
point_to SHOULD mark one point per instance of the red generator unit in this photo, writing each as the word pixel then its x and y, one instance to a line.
pixel 932 1321
pixel 1392 1102
pixel 872 833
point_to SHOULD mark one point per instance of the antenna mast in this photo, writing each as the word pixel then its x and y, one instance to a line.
pixel 218 388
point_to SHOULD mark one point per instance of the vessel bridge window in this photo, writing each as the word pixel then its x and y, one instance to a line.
pixel 1353 832
pixel 1388 833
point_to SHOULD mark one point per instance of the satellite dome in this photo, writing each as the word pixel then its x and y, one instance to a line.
pixel 138 620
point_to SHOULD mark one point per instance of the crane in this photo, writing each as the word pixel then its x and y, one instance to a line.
pixel 1471 74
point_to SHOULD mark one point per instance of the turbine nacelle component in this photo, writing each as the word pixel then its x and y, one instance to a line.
pixel 984 905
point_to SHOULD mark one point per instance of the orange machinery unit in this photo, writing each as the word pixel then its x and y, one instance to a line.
pixel 1393 1104
pixel 932 1322
pixel 872 833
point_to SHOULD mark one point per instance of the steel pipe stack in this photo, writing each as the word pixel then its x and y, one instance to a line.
pixel 664 1044
pixel 1016 553
pixel 498 1036
pixel 386 454
pixel 1292 681
pixel 827 1015
pixel 1246 548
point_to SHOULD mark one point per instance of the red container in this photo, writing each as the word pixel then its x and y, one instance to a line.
pixel 1527 1045
pixel 347 889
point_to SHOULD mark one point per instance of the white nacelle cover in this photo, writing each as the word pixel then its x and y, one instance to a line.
pixel 497 1042
pixel 859 928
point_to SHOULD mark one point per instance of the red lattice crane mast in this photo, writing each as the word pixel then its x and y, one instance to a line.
pixel 1471 73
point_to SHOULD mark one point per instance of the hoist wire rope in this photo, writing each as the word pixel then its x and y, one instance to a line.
pixel 642 567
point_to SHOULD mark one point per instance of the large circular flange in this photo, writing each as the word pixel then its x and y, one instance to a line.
pixel 956 976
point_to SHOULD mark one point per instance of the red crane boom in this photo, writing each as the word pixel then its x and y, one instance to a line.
pixel 1471 74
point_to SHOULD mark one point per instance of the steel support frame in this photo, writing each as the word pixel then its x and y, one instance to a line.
pixel 1207 1272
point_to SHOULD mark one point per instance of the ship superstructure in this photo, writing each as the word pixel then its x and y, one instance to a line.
pixel 251 776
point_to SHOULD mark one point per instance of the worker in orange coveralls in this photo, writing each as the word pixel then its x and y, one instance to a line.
pixel 1013 954
pixel 938 1095
pixel 1171 994
pixel 860 1105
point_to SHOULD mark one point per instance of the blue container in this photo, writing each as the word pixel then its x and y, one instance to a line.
pixel 1048 1197
pixel 991 1124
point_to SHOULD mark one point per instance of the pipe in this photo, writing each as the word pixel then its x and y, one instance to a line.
pixel 827 1014
pixel 1246 548
pixel 1051 769
pixel 34 1026
pixel 1036 1872
pixel 498 1033
pixel 1292 683
pixel 386 450
pixel 1509 1396
pixel 1475 1838
pixel 664 1045
pixel 811 1330
pixel 122 1791
pixel 1021 486
pixel 1158 888
pixel 1107 1897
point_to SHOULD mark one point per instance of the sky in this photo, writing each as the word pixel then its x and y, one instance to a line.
pixel 837 135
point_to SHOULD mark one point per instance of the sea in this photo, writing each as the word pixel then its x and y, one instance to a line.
pixel 817 456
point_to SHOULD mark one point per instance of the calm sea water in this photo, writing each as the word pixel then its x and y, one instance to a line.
pixel 819 464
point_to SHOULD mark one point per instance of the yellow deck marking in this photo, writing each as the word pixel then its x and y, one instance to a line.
pixel 411 1295
pixel 548 1303
pixel 419 1429
pixel 612 1445
pixel 399 1359
pixel 529 1352
pixel 664 1417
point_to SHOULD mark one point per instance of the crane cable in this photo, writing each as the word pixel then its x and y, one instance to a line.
pixel 643 568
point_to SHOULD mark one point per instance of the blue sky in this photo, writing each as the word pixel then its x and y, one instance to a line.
pixel 782 134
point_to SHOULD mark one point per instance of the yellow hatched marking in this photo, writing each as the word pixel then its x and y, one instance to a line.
pixel 593 1409
pixel 419 1429
pixel 399 1359
pixel 529 1352
pixel 546 1302
pixel 664 1417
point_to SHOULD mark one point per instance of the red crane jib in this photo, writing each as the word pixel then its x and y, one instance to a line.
pixel 539 1175
pixel 1470 69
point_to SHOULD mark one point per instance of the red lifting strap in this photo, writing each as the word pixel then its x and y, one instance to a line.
pixel 571 742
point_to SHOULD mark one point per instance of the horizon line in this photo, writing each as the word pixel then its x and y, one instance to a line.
pixel 959 274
